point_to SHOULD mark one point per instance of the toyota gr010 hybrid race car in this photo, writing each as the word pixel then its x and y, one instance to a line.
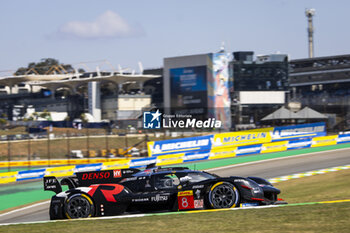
pixel 113 192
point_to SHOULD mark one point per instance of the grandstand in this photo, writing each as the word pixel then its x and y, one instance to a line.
pixel 323 83
pixel 105 95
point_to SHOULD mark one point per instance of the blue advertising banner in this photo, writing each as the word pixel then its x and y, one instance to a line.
pixel 247 150
pixel 88 167
pixel 343 138
pixel 298 131
pixel 32 174
pixel 196 156
pixel 138 163
pixel 182 145
pixel 299 144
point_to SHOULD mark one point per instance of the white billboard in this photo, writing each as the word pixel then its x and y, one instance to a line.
pixel 262 97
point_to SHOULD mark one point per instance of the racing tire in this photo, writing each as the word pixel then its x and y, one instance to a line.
pixel 223 195
pixel 79 205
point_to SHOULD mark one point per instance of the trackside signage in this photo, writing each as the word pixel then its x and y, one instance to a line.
pixel 299 131
pixel 212 143
pixel 176 146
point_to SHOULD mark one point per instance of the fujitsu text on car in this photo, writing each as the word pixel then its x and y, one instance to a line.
pixel 113 192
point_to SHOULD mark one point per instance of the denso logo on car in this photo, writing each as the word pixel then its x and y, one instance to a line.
pixel 95 175
pixel 117 173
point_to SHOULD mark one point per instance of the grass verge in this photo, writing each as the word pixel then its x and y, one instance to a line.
pixel 310 218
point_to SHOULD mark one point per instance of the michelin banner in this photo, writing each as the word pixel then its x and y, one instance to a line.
pixel 225 141
pixel 175 146
pixel 299 131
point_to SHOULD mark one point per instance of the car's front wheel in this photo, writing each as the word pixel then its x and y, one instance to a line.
pixel 223 195
pixel 79 205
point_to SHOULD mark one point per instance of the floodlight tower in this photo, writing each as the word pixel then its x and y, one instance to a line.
pixel 309 14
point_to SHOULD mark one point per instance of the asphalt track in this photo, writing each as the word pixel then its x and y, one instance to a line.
pixel 266 169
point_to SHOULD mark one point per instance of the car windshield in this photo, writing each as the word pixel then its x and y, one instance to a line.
pixel 199 176
pixel 166 181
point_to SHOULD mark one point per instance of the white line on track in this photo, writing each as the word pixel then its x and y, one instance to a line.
pixel 24 208
pixel 267 160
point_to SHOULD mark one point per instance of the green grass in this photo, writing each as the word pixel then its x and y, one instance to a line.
pixel 309 218
pixel 324 187
pixel 301 218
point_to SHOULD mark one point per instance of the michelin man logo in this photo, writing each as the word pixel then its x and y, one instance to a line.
pixel 151 120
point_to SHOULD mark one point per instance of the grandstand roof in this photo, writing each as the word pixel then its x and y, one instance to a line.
pixel 285 114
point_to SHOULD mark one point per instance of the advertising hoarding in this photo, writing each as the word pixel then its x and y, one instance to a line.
pixel 219 101
pixel 188 87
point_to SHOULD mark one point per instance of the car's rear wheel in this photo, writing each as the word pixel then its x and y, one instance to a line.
pixel 223 195
pixel 79 206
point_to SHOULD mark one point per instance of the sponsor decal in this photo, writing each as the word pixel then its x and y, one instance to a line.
pixel 240 180
pixel 305 130
pixel 23 175
pixel 198 193
pixel 117 173
pixel 87 168
pixel 185 193
pixel 50 183
pixel 181 145
pixel 198 204
pixel 184 145
pixel 159 198
pixel 95 175
pixel 198 186
pixel 145 199
pixel 142 162
pixel 129 179
pixel 241 138
pixel 248 149
pixel 107 193
pixel 195 156
pixel 249 204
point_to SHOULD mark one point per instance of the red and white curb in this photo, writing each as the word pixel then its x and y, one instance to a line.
pixel 309 173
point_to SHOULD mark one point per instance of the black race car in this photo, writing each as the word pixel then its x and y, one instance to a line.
pixel 113 192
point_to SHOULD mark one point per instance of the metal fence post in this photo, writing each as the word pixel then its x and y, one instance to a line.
pixel 29 151
pixel 48 149
pixel 88 144
pixel 8 153
pixel 107 146
pixel 68 147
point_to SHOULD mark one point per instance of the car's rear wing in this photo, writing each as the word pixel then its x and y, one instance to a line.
pixel 52 184
pixel 88 178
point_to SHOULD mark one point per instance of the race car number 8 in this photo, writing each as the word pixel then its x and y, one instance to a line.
pixel 184 202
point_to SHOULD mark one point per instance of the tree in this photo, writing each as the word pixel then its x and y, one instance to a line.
pixel 46 66
pixel 83 118
pixel 45 114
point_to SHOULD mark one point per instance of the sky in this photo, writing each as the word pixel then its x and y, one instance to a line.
pixel 127 32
